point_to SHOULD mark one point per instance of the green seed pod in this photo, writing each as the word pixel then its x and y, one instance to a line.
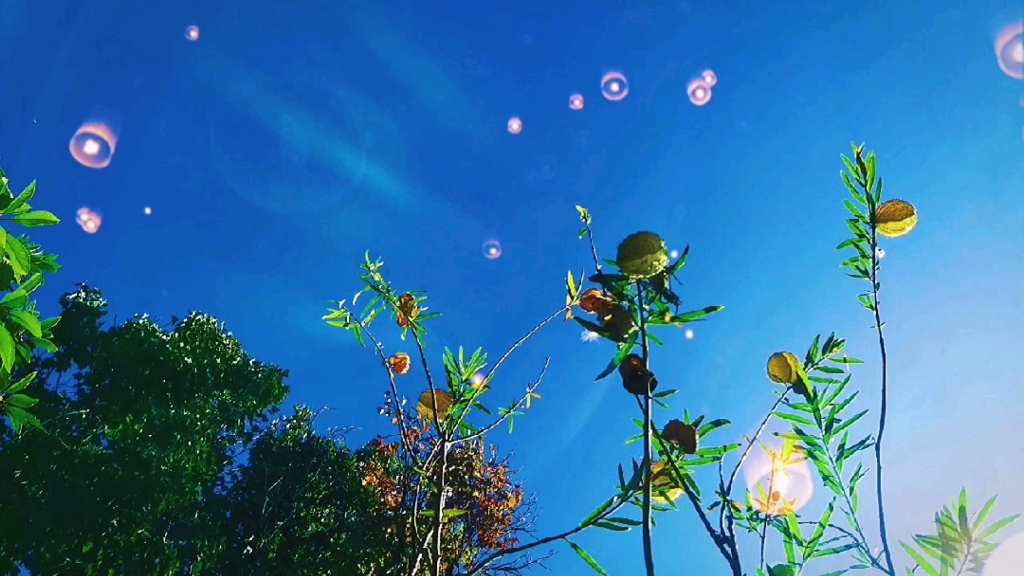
pixel 642 255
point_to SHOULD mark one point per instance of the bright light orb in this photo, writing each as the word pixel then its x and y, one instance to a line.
pixel 492 249
pixel 614 86
pixel 576 102
pixel 792 480
pixel 192 33
pixel 709 77
pixel 88 220
pixel 93 144
pixel 674 254
pixel 699 92
pixel 1010 50
pixel 147 210
pixel 515 125
pixel 689 334
pixel 477 379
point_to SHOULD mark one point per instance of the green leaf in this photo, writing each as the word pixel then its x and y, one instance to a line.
pixel 20 417
pixel 996 527
pixel 782 570
pixel 21 384
pixel 21 401
pixel 21 260
pixel 921 561
pixel 27 321
pixel 610 526
pixel 624 351
pixel 626 521
pixel 983 514
pixel 6 349
pixel 36 218
pixel 19 203
pixel 794 418
pixel 696 314
pixel 839 429
pixel 587 558
pixel 598 511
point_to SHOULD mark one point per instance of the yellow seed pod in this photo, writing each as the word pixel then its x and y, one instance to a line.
pixel 662 478
pixel 784 368
pixel 425 405
pixel 895 218
pixel 642 255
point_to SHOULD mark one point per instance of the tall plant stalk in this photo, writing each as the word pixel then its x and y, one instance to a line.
pixel 648 457
pixel 884 402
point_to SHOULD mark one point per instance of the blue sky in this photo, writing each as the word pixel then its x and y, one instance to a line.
pixel 286 141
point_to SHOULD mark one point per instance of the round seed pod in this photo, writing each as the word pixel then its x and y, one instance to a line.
pixel 681 433
pixel 595 301
pixel 636 378
pixel 425 405
pixel 642 255
pixel 895 218
pixel 662 478
pixel 784 368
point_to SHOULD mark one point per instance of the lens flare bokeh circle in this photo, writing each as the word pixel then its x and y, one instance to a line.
pixel 614 86
pixel 709 77
pixel 699 92
pixel 88 220
pixel 93 144
pixel 492 249
pixel 515 125
pixel 793 481
pixel 1010 50
pixel 192 33
pixel 576 102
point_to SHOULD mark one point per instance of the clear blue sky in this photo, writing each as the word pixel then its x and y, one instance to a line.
pixel 292 137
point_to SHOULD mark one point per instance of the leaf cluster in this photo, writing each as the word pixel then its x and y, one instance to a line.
pixel 22 265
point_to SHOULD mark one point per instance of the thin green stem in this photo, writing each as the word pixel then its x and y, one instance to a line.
pixel 882 412
pixel 648 479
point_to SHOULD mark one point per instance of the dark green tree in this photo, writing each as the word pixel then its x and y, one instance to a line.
pixel 142 423
pixel 300 507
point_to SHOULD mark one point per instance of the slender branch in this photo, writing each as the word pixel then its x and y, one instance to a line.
pixel 716 537
pixel 882 412
pixel 750 444
pixel 511 349
pixel 517 549
pixel 767 513
pixel 406 443
pixel 593 248
pixel 496 423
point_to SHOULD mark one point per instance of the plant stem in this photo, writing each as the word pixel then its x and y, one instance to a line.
pixel 767 512
pixel 882 412
pixel 649 477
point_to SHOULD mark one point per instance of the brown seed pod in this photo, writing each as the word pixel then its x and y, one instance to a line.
pixel 895 218
pixel 685 435
pixel 407 310
pixel 594 301
pixel 400 363
pixel 636 378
